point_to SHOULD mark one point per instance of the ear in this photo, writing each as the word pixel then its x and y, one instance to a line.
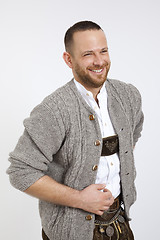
pixel 67 59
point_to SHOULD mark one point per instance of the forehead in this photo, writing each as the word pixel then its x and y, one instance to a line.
pixel 89 40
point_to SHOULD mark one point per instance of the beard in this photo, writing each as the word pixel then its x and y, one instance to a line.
pixel 87 80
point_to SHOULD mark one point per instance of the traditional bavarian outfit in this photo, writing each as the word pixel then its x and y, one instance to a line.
pixel 63 139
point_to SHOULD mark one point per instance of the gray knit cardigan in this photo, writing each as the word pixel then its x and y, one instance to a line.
pixel 58 141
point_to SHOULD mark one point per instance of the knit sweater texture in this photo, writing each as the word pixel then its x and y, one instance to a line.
pixel 58 141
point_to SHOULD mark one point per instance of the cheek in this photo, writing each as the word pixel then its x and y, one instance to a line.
pixel 84 65
pixel 108 58
pixel 88 62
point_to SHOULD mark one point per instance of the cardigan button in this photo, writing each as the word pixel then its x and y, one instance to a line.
pixel 88 217
pixel 95 167
pixel 97 142
pixel 91 117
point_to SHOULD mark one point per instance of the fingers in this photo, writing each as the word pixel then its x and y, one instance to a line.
pixel 106 190
pixel 100 186
pixel 105 207
pixel 110 201
pixel 109 197
pixel 100 213
pixel 95 198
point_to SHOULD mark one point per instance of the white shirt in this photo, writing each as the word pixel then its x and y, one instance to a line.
pixel 109 166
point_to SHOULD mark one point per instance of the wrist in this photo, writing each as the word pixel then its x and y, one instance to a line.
pixel 76 199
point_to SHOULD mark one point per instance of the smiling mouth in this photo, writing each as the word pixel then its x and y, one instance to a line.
pixel 96 70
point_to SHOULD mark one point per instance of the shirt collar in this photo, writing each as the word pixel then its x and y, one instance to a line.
pixel 84 92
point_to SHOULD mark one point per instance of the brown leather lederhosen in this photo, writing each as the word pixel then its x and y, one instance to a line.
pixel 112 225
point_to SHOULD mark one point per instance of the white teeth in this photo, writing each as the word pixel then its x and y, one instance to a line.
pixel 98 71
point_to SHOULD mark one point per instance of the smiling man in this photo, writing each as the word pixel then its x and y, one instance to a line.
pixel 89 58
pixel 76 152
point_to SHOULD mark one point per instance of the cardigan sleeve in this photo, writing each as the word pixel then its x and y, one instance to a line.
pixel 43 136
pixel 137 114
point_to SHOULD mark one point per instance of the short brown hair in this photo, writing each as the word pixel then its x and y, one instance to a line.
pixel 77 27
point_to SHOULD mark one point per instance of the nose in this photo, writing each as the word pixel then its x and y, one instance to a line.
pixel 98 60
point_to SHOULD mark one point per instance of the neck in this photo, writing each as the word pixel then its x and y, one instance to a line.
pixel 93 90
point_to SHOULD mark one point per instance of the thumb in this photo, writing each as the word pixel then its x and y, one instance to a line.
pixel 100 186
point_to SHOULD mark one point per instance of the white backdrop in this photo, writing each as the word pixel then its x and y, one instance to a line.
pixel 31 67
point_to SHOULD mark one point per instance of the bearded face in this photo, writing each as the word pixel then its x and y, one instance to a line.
pixel 92 76
pixel 89 58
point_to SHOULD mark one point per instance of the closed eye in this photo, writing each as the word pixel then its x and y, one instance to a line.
pixel 104 51
pixel 87 54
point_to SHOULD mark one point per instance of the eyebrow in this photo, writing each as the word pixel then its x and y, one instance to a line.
pixel 105 48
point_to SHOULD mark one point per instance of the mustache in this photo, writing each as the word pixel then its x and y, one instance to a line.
pixel 98 67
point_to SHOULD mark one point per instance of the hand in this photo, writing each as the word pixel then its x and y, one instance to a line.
pixel 95 201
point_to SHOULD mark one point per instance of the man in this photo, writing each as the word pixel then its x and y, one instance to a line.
pixel 76 152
